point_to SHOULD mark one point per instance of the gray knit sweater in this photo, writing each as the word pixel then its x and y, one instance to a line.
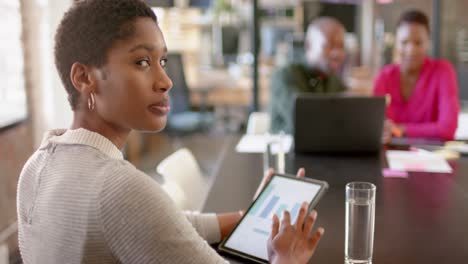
pixel 80 202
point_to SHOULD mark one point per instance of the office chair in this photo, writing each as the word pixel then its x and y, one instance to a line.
pixel 258 123
pixel 230 43
pixel 184 180
pixel 181 118
pixel 296 50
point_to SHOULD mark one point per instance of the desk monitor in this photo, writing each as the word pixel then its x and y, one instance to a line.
pixel 338 123
pixel 249 238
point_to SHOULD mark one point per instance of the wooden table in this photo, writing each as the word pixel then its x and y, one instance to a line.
pixel 419 219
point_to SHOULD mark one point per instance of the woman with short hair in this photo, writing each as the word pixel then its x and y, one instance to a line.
pixel 78 200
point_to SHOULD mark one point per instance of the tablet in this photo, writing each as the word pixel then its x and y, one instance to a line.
pixel 283 192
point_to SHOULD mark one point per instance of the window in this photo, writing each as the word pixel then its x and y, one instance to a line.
pixel 12 88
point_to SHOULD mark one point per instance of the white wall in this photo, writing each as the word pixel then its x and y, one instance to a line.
pixel 46 98
pixel 56 108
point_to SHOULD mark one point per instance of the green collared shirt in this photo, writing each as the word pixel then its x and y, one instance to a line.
pixel 287 82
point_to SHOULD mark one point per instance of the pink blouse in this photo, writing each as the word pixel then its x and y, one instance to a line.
pixel 432 109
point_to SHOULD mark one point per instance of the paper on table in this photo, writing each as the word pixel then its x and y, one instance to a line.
pixel 462 129
pixel 389 173
pixel 458 146
pixel 420 161
pixel 258 143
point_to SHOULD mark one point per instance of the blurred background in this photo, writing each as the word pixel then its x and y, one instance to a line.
pixel 221 61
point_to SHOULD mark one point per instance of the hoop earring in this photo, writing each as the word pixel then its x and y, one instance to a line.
pixel 91 102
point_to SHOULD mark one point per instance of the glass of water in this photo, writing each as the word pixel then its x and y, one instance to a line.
pixel 360 218
pixel 274 157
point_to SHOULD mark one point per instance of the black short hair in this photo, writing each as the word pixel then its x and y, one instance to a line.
pixel 414 16
pixel 87 31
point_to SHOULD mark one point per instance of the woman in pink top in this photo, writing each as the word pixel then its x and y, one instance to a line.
pixel 423 91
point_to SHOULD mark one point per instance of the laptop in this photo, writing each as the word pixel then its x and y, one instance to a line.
pixel 338 123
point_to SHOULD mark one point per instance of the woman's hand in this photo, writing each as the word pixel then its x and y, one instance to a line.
pixel 387 131
pixel 269 174
pixel 293 243
pixel 227 222
pixel 391 130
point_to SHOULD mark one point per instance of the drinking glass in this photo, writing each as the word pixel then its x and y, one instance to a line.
pixel 274 157
pixel 360 218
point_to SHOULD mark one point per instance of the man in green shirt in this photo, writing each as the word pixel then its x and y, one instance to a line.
pixel 324 57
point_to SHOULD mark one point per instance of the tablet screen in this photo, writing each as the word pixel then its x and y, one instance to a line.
pixel 282 193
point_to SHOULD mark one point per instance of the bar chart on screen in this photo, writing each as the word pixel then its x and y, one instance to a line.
pixel 264 207
pixel 280 195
